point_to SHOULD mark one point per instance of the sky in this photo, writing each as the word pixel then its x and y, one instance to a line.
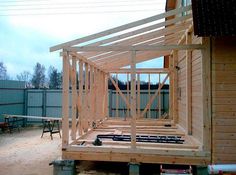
pixel 28 28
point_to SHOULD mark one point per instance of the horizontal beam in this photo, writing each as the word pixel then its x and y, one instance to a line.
pixel 120 28
pixel 141 70
pixel 135 48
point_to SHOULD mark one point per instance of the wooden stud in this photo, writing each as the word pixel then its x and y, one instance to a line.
pixel 81 84
pixel 175 86
pixel 149 96
pixel 117 97
pixel 159 96
pixel 133 100
pixel 91 93
pixel 138 96
pixel 128 99
pixel 86 100
pixel 106 96
pixel 189 84
pixel 74 98
pixel 65 99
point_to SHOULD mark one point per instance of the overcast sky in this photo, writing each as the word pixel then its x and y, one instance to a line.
pixel 29 27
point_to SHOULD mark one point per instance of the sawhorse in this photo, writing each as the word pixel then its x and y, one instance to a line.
pixel 52 126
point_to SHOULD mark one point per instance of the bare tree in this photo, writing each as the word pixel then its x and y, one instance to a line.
pixel 24 76
pixel 3 72
pixel 38 79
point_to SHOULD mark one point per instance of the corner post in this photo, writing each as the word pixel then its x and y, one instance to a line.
pixel 65 100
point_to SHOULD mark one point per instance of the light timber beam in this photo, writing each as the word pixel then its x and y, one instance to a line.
pixel 175 86
pixel 133 100
pixel 65 100
pixel 149 95
pixel 120 28
pixel 140 31
pixel 135 48
pixel 154 96
pixel 81 84
pixel 159 96
pixel 117 97
pixel 189 84
pixel 138 95
pixel 74 98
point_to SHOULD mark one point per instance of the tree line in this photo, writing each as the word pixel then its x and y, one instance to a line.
pixel 38 79
pixel 53 80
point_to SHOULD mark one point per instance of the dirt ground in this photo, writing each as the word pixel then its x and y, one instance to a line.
pixel 25 153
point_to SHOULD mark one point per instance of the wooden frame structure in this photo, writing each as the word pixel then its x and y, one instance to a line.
pixel 93 58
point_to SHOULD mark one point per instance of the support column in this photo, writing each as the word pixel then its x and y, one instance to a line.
pixel 175 86
pixel 159 96
pixel 149 96
pixel 86 114
pixel 65 101
pixel 74 98
pixel 189 84
pixel 171 86
pixel 81 82
pixel 128 109
pixel 138 96
pixel 117 96
pixel 133 99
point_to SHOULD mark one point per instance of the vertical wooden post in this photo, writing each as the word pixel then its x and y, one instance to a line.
pixel 138 96
pixel 91 93
pixel 133 99
pixel 86 114
pixel 106 96
pixel 74 98
pixel 149 96
pixel 159 97
pixel 171 90
pixel 117 96
pixel 206 94
pixel 81 82
pixel 128 95
pixel 189 84
pixel 65 100
pixel 95 94
pixel 175 86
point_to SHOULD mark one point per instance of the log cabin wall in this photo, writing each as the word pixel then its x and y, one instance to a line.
pixel 224 100
pixel 195 127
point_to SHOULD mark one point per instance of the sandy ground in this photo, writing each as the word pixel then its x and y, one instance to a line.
pixel 25 153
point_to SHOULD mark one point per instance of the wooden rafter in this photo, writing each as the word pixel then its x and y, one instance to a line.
pixel 120 28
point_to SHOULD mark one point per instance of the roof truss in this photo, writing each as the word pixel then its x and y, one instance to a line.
pixel 150 38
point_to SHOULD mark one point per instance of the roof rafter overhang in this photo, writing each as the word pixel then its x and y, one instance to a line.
pixel 150 38
pixel 135 48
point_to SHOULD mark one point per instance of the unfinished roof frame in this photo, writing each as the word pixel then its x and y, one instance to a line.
pixel 99 55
